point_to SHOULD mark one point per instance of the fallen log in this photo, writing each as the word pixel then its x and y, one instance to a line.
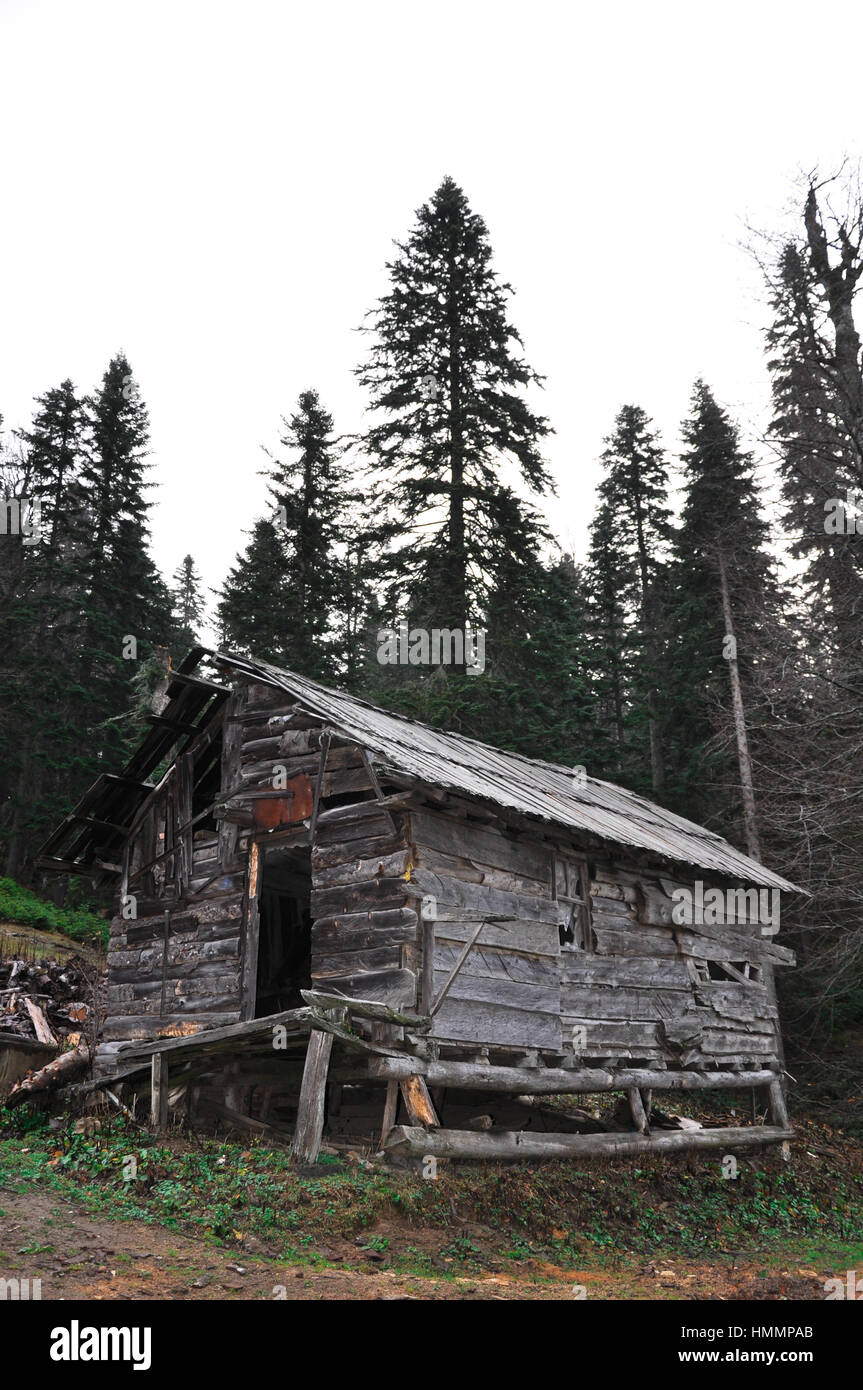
pixel 57 1073
pixel 515 1144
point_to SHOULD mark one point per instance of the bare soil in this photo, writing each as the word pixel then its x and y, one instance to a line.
pixel 79 1256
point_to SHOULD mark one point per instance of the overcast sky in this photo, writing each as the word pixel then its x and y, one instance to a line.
pixel 214 188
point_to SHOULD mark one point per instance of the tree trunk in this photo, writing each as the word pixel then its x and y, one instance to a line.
pixel 750 823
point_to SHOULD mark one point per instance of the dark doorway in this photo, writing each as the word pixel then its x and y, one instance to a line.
pixel 284 941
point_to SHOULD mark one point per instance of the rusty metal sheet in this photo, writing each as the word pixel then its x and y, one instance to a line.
pixel 291 808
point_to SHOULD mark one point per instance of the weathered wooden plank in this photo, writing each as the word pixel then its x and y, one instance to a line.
pixel 493 963
pixel 601 1001
pixel 340 963
pixel 493 847
pixel 451 892
pixel 633 972
pixel 394 987
pixel 354 870
pixel 737 946
pixel 528 938
pixel 365 846
pixel 370 895
pixel 493 989
pixel 613 940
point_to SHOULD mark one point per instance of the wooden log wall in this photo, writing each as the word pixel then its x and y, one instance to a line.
pixel 627 987
pixel 174 972
pixel 364 927
pixel 646 992
pixel 641 991
pixel 507 992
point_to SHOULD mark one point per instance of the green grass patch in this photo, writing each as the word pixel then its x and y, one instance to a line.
pixel 468 1218
pixel 24 907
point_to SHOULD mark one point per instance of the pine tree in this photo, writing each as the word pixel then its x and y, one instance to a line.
pixel 290 597
pixel 724 606
pixel 610 596
pixel 448 383
pixel 634 493
pixel 42 698
pixel 188 608
pixel 127 603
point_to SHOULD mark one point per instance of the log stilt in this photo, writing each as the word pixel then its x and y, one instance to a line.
pixel 777 1106
pixel 390 1108
pixel 159 1085
pixel 639 1114
pixel 310 1112
pixel 418 1102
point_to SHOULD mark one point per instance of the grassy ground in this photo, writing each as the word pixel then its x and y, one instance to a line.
pixel 23 907
pixel 624 1228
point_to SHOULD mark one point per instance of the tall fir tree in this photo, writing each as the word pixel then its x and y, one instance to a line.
pixel 44 701
pixel 290 597
pixel 447 383
pixel 189 609
pixel 817 454
pixel 724 607
pixel 636 521
pixel 127 604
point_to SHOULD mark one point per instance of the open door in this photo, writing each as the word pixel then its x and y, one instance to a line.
pixel 284 930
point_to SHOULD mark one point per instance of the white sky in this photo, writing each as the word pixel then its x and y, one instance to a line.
pixel 214 188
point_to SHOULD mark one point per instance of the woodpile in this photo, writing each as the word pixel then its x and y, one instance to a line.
pixel 45 1000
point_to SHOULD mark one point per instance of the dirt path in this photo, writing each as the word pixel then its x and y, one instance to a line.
pixel 78 1255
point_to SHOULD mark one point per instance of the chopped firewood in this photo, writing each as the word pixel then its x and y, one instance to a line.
pixel 40 1022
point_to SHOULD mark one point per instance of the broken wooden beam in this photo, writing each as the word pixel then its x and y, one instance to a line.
pixel 363 1008
pixel 418 1102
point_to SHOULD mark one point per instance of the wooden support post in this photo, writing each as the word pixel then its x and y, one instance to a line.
pixel 778 1109
pixel 426 934
pixel 390 1108
pixel 418 1102
pixel 647 1101
pixel 310 1112
pixel 159 1091
pixel 251 933
pixel 636 1105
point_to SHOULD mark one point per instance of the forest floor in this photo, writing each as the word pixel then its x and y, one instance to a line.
pixel 114 1212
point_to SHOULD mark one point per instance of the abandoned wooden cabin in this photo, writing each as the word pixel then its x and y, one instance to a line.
pixel 318 900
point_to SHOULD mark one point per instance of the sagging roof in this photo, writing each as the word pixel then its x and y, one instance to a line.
pixel 396 743
pixel 527 785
